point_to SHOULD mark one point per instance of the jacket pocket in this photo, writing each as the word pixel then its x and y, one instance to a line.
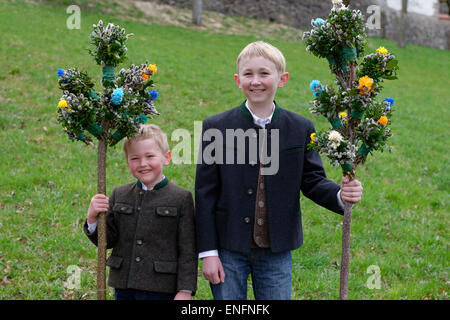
pixel 165 266
pixel 123 208
pixel 166 211
pixel 114 262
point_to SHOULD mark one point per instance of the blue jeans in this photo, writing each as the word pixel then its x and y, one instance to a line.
pixel 271 275
pixel 133 294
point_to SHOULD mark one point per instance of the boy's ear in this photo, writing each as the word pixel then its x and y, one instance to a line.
pixel 237 80
pixel 283 80
pixel 167 158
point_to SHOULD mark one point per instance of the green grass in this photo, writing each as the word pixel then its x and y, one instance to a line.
pixel 401 225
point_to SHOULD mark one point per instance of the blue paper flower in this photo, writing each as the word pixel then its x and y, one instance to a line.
pixel 116 96
pixel 153 95
pixel 389 101
pixel 60 72
pixel 316 87
pixel 318 22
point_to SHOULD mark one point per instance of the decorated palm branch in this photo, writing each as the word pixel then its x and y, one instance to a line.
pixel 127 101
pixel 359 120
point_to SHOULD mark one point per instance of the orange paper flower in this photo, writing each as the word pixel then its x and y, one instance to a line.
pixel 383 120
pixel 365 84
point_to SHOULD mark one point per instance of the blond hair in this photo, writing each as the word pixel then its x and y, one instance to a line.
pixel 266 50
pixel 148 131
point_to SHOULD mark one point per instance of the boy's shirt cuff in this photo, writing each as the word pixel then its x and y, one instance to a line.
pixel 92 227
pixel 341 204
pixel 210 253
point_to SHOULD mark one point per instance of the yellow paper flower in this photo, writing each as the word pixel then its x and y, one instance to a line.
pixel 383 120
pixel 313 137
pixel 153 68
pixel 342 115
pixel 62 104
pixel 382 50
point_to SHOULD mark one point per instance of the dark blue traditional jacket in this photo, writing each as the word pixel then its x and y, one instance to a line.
pixel 225 193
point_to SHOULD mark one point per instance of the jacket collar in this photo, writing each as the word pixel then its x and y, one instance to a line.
pixel 157 186
pixel 246 113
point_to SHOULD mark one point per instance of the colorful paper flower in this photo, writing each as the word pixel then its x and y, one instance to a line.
pixel 335 138
pixel 313 137
pixel 62 104
pixel 153 68
pixel 383 120
pixel 318 22
pixel 365 84
pixel 389 102
pixel 116 96
pixel 153 95
pixel 316 87
pixel 60 72
pixel 382 50
pixel 145 76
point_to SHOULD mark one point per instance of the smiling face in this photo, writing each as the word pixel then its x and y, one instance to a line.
pixel 259 79
pixel 146 161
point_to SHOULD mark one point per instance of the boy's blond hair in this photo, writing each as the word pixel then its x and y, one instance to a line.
pixel 148 131
pixel 266 50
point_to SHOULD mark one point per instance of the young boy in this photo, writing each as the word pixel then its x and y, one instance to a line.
pixel 248 219
pixel 150 226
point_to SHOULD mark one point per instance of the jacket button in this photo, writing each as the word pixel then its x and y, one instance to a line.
pixel 247 220
pixel 260 222
pixel 250 191
pixel 260 204
pixel 138 259
pixel 139 242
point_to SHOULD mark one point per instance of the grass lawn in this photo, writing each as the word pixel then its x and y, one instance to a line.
pixel 401 226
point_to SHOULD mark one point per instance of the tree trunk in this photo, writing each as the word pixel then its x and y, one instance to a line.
pixel 197 12
pixel 343 292
pixel 101 222
pixel 402 31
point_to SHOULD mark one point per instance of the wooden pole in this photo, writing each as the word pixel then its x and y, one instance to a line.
pixel 101 222
pixel 343 291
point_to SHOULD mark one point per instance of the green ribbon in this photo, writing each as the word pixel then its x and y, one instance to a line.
pixel 94 129
pixel 357 114
pixel 363 150
pixel 142 118
pixel 82 136
pixel 347 166
pixel 116 137
pixel 331 60
pixel 349 53
pixel 93 95
pixel 336 123
pixel 108 75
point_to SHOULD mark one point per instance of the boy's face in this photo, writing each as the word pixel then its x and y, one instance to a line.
pixel 258 78
pixel 146 161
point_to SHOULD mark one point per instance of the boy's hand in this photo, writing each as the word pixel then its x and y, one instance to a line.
pixel 99 203
pixel 213 270
pixel 351 191
pixel 182 295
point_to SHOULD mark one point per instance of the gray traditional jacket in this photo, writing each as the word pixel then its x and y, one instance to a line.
pixel 152 234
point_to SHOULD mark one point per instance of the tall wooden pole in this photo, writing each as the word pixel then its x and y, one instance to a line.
pixel 101 222
pixel 345 259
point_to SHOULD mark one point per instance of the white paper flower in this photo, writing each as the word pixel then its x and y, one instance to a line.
pixel 335 138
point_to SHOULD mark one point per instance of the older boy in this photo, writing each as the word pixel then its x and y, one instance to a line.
pixel 248 221
pixel 150 226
